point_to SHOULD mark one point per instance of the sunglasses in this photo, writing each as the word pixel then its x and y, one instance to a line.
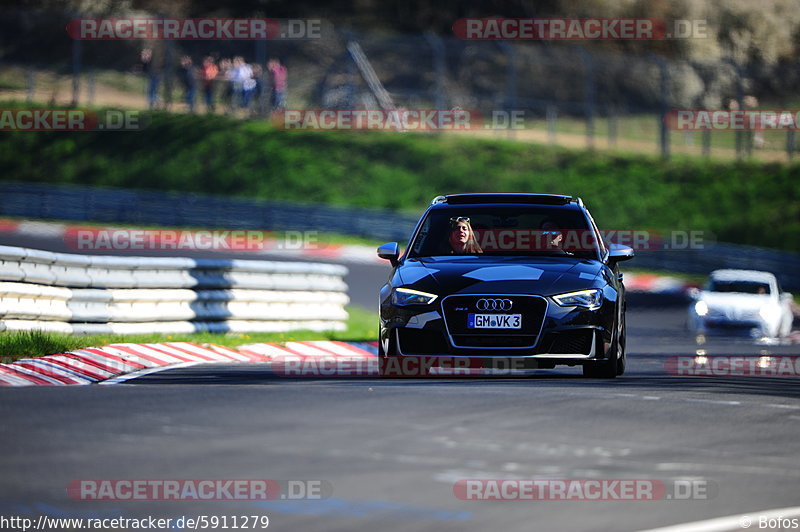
pixel 454 221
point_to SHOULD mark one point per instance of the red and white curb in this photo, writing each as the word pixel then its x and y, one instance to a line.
pixel 655 284
pixel 116 363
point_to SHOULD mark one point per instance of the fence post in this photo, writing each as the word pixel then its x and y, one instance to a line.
pixel 791 137
pixel 706 135
pixel 740 101
pixel 76 71
pixel 612 126
pixel 510 102
pixel 439 67
pixel 31 85
pixel 90 87
pixel 552 118
pixel 664 91
pixel 588 106
pixel 261 61
pixel 169 60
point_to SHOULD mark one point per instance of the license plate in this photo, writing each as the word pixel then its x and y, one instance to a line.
pixel 494 321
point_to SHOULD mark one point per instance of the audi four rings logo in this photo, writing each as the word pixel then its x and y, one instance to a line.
pixel 494 304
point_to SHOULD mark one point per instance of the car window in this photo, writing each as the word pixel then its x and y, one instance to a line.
pixel 507 230
pixel 744 287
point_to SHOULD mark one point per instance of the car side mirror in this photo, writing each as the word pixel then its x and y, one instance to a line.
pixel 619 253
pixel 787 296
pixel 389 251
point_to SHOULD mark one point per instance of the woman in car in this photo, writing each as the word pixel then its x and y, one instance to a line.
pixel 462 237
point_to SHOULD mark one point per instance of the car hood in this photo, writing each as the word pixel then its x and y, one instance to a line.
pixel 500 275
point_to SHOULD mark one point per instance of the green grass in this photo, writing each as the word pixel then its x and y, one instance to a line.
pixel 362 325
pixel 736 201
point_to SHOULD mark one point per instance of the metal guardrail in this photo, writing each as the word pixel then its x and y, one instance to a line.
pixel 108 205
pixel 785 265
pixel 82 294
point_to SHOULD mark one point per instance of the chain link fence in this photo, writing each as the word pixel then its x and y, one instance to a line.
pixel 578 94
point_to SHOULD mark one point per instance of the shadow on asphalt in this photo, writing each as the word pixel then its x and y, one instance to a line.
pixel 651 383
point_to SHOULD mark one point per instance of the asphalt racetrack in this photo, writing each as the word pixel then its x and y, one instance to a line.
pixel 389 452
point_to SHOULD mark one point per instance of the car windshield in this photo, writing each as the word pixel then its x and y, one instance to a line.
pixel 744 287
pixel 505 230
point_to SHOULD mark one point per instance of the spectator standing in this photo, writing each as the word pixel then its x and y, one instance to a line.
pixel 152 76
pixel 243 82
pixel 186 76
pixel 226 74
pixel 208 75
pixel 258 79
pixel 279 76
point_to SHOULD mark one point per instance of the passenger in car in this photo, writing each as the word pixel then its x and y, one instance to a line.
pixel 462 237
pixel 553 237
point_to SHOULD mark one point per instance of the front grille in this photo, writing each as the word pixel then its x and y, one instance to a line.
pixel 421 342
pixel 569 342
pixel 493 341
pixel 457 309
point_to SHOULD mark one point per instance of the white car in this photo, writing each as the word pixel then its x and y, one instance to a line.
pixel 742 301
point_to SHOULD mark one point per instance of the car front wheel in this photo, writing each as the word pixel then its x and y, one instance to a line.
pixel 615 364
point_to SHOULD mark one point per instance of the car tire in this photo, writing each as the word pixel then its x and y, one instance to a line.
pixel 622 356
pixel 384 355
pixel 392 365
pixel 615 364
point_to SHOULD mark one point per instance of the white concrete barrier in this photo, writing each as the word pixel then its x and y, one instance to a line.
pixel 84 294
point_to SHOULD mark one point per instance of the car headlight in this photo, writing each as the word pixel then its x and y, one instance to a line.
pixel 407 296
pixel 769 312
pixel 590 299
pixel 701 308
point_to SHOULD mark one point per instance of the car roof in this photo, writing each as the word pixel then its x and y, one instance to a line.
pixel 484 199
pixel 742 275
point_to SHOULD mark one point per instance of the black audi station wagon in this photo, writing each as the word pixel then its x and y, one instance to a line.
pixel 522 278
